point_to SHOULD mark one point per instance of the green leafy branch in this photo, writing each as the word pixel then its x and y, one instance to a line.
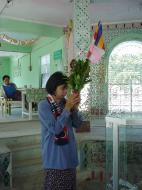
pixel 80 75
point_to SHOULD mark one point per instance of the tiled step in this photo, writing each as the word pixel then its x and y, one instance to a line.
pixel 25 152
pixel 32 181
pixel 27 167
pixel 23 140
pixel 13 142
pixel 26 159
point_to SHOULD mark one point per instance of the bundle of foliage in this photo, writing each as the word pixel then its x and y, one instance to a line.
pixel 79 74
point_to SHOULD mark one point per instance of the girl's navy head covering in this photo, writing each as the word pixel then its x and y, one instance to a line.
pixel 55 80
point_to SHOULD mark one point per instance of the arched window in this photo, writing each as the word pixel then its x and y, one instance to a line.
pixel 125 77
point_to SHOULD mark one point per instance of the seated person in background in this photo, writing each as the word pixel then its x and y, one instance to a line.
pixel 9 90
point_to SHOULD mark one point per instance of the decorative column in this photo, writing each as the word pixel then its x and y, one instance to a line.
pixel 81 28
pixel 81 34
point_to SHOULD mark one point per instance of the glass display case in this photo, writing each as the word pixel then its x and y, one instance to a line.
pixel 124 151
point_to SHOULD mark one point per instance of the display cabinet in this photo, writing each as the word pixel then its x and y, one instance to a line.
pixel 124 151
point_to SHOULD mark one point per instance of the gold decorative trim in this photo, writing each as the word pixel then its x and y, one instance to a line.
pixel 120 26
pixel 14 41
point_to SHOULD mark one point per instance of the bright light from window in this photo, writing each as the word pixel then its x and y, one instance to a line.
pixel 45 69
pixel 84 98
pixel 125 77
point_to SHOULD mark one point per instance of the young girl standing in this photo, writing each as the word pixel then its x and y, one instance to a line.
pixel 58 117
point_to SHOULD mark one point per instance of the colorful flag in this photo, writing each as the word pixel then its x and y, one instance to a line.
pixel 96 49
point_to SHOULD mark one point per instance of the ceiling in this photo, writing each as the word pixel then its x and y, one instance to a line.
pixel 58 12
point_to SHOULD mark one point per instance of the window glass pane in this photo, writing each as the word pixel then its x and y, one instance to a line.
pixel 125 76
pixel 45 64
pixel 44 78
pixel 45 69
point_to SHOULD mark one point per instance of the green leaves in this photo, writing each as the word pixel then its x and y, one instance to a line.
pixel 79 75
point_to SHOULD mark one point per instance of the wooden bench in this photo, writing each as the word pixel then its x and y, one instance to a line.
pixel 7 105
pixel 34 95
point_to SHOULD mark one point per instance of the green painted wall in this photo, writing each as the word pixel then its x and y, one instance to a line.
pixel 50 40
pixel 48 48
pixel 20 72
pixel 21 27
pixel 4 67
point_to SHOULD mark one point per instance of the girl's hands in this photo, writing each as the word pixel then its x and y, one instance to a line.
pixel 72 101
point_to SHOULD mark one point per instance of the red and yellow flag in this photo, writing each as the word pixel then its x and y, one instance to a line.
pixel 97 47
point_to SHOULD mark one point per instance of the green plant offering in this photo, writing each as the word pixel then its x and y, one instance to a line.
pixel 79 75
